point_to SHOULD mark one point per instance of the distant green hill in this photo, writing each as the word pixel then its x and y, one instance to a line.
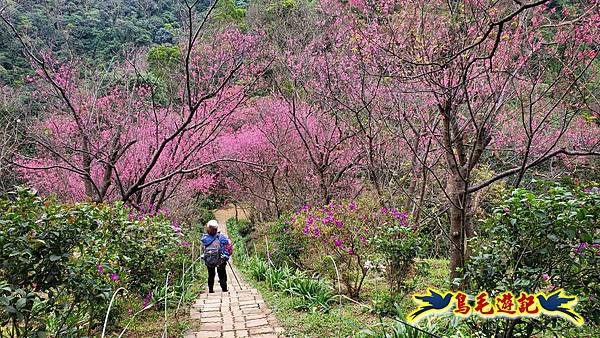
pixel 95 30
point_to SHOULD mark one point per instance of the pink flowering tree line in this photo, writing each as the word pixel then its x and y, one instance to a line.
pixel 462 87
pixel 105 139
pixel 436 92
pixel 309 156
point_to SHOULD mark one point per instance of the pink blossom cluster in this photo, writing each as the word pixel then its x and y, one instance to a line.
pixel 344 228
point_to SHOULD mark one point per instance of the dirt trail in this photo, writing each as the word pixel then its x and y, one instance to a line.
pixel 241 312
pixel 227 212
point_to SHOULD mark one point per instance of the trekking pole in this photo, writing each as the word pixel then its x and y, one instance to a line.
pixel 234 275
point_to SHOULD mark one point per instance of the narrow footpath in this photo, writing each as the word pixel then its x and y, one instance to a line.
pixel 241 312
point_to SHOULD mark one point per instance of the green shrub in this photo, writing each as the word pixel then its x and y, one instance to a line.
pixel 285 247
pixel 204 215
pixel 540 241
pixel 211 201
pixel 245 228
pixel 59 261
pixel 241 251
pixel 275 276
pixel 289 283
pixel 385 304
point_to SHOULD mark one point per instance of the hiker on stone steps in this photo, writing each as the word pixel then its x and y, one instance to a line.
pixel 217 249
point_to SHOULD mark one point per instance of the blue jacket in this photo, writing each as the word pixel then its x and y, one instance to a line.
pixel 207 239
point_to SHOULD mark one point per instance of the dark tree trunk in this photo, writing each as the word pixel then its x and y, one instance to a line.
pixel 455 190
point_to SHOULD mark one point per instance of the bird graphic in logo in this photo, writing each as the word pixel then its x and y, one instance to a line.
pixel 433 302
pixel 558 304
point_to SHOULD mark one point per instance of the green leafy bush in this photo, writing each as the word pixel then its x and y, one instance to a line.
pixel 275 276
pixel 240 243
pixel 211 201
pixel 258 269
pixel 285 248
pixel 384 303
pixel 245 228
pixel 60 264
pixel 204 215
pixel 313 294
pixel 540 241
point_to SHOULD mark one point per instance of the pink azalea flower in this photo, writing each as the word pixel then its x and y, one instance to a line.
pixel 582 246
pixel 317 232
pixel 148 299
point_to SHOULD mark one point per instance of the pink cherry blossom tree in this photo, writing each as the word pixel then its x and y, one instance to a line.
pixel 455 86
pixel 309 156
pixel 483 77
pixel 106 139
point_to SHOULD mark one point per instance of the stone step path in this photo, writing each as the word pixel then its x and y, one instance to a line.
pixel 240 312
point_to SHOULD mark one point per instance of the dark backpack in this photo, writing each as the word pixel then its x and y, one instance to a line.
pixel 213 254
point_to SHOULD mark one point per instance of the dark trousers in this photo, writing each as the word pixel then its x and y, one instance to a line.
pixel 222 277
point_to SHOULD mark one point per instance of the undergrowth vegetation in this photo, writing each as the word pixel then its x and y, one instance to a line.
pixel 75 269
pixel 311 304
pixel 537 240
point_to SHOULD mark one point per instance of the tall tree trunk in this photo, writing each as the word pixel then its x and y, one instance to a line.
pixel 373 172
pixel 87 168
pixel 457 191
pixel 459 224
pixel 409 202
pixel 325 194
pixel 421 199
pixel 275 193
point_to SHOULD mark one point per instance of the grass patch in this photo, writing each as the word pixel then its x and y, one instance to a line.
pixel 350 319
pixel 344 320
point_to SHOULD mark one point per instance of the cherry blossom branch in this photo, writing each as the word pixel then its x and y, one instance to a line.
pixel 198 167
pixel 538 161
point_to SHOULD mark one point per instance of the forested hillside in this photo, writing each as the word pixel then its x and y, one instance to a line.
pixel 96 31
